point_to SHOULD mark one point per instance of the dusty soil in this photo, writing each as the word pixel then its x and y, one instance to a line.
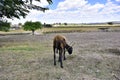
pixel 96 56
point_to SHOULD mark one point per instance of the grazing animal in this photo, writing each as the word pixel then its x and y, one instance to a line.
pixel 60 45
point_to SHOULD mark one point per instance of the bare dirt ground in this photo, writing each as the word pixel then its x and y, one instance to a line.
pixel 96 56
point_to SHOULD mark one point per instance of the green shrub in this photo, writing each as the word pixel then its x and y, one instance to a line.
pixel 4 26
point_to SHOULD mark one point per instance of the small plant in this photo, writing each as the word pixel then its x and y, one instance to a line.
pixel 114 50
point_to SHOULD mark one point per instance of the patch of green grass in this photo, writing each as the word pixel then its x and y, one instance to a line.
pixel 16 48
pixel 26 46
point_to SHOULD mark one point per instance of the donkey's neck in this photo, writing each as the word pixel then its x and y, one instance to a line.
pixel 67 46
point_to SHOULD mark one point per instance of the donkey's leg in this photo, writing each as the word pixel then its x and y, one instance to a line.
pixel 60 54
pixel 64 54
pixel 54 56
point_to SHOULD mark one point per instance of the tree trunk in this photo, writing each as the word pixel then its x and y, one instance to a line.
pixel 33 32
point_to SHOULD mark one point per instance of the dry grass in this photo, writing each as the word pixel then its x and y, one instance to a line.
pixel 27 57
pixel 67 29
pixel 82 28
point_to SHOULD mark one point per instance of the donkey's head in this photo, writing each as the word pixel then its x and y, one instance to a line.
pixel 69 49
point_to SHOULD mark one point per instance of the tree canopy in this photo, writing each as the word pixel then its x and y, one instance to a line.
pixel 32 26
pixel 17 8
pixel 110 23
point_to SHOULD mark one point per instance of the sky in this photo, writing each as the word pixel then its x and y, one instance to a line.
pixel 75 11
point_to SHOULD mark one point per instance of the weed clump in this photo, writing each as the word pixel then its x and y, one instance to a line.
pixel 115 51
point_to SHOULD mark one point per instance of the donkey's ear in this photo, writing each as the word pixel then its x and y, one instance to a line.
pixel 72 43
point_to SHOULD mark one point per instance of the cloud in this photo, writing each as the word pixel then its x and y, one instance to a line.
pixel 82 11
pixel 71 4
pixel 118 0
pixel 79 11
pixel 42 3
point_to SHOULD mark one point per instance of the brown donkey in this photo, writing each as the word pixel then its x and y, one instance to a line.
pixel 60 45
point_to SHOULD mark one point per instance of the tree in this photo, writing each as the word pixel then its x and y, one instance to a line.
pixel 110 23
pixel 17 8
pixel 4 26
pixel 65 23
pixel 20 24
pixel 32 26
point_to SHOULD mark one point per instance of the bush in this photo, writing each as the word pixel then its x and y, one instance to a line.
pixel 4 26
pixel 47 25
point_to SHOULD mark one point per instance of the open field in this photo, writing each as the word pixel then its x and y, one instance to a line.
pixel 96 56
pixel 79 28
pixel 66 29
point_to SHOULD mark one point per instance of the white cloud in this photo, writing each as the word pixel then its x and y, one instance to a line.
pixel 42 3
pixel 71 4
pixel 110 9
pixel 118 0
pixel 78 11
